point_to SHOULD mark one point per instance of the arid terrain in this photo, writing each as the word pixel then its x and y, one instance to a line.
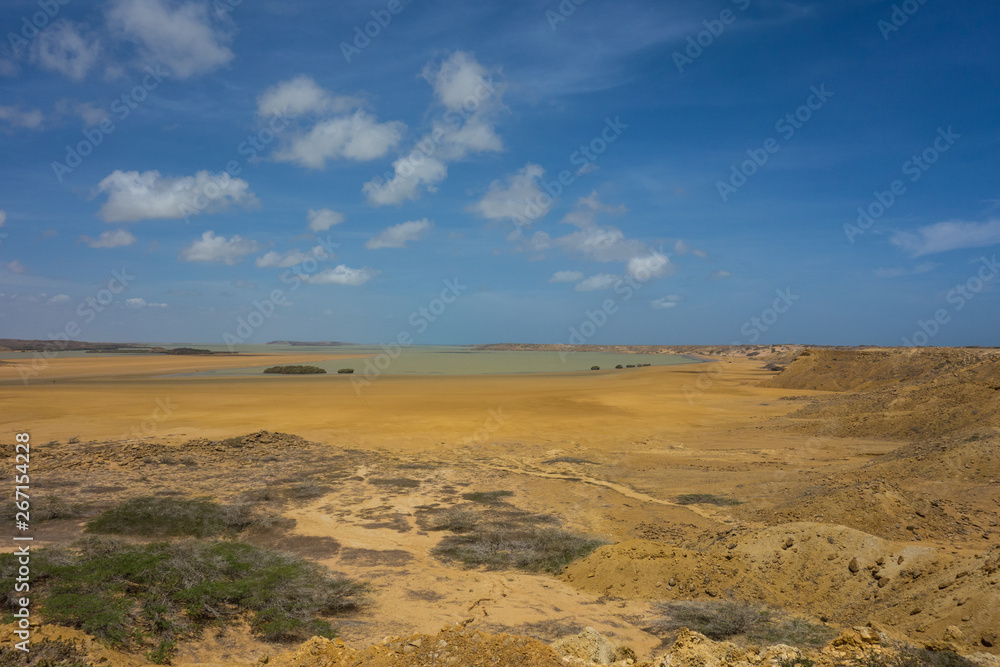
pixel 854 494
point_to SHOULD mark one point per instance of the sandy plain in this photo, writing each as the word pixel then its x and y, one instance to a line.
pixel 608 452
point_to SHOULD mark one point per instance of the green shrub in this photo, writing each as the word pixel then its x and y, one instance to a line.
pixel 295 370
pixel 595 368
pixel 725 619
pixel 347 371
pixel 487 496
pixel 135 596
pixel 705 499
pixel 150 516
pixel 46 653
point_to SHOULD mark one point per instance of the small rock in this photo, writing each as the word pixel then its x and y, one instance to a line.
pixel 788 543
pixel 853 566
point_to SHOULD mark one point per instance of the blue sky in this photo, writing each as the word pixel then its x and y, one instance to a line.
pixel 201 171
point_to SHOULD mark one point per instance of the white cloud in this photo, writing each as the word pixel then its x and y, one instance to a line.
pixel 342 275
pixel 472 102
pixel 301 95
pixel 566 277
pixel 136 196
pixel 719 275
pixel 520 199
pixel 3 217
pixel 291 258
pixel 110 239
pixel 14 117
pixel 139 302
pixel 322 219
pixel 598 282
pixel 212 248
pixel 899 271
pixel 358 136
pixel 669 301
pixel 15 266
pixel 90 114
pixel 59 298
pixel 62 48
pixel 945 236
pixel 398 235
pixel 179 36
pixel 651 265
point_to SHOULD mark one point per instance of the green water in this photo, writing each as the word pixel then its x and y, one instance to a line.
pixel 434 360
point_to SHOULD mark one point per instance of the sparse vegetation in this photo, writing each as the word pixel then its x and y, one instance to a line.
pixel 595 368
pixel 346 371
pixel 402 482
pixel 569 459
pixel 487 496
pixel 149 516
pixel 726 619
pixel 46 653
pixel 912 656
pixel 705 499
pixel 295 370
pixel 498 536
pixel 150 595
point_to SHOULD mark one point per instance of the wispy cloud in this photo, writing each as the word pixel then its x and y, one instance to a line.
pixel 219 249
pixel 399 235
pixel 945 236
pixel 110 239
pixel 342 275
pixel 566 277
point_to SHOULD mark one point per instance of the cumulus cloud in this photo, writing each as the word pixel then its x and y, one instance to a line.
pixel 945 236
pixel 139 302
pixel 14 117
pixel 63 48
pixel 472 103
pixel 15 266
pixel 566 276
pixel 299 96
pixel 669 301
pixel 333 127
pixel 180 36
pixel 59 298
pixel 397 236
pixel 342 275
pixel 134 196
pixel 598 282
pixel 651 265
pixel 519 197
pixel 291 258
pixel 110 239
pixel 212 248
pixel 322 219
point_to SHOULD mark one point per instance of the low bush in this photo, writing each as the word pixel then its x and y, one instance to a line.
pixel 726 619
pixel 295 370
pixel 346 371
pixel 705 499
pixel 147 596
pixel 487 496
pixel 150 516
pixel 46 653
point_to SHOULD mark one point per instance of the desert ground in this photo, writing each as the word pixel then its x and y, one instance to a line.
pixel 854 491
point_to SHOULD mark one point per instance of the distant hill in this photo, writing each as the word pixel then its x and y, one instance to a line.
pixel 28 345
pixel 300 343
